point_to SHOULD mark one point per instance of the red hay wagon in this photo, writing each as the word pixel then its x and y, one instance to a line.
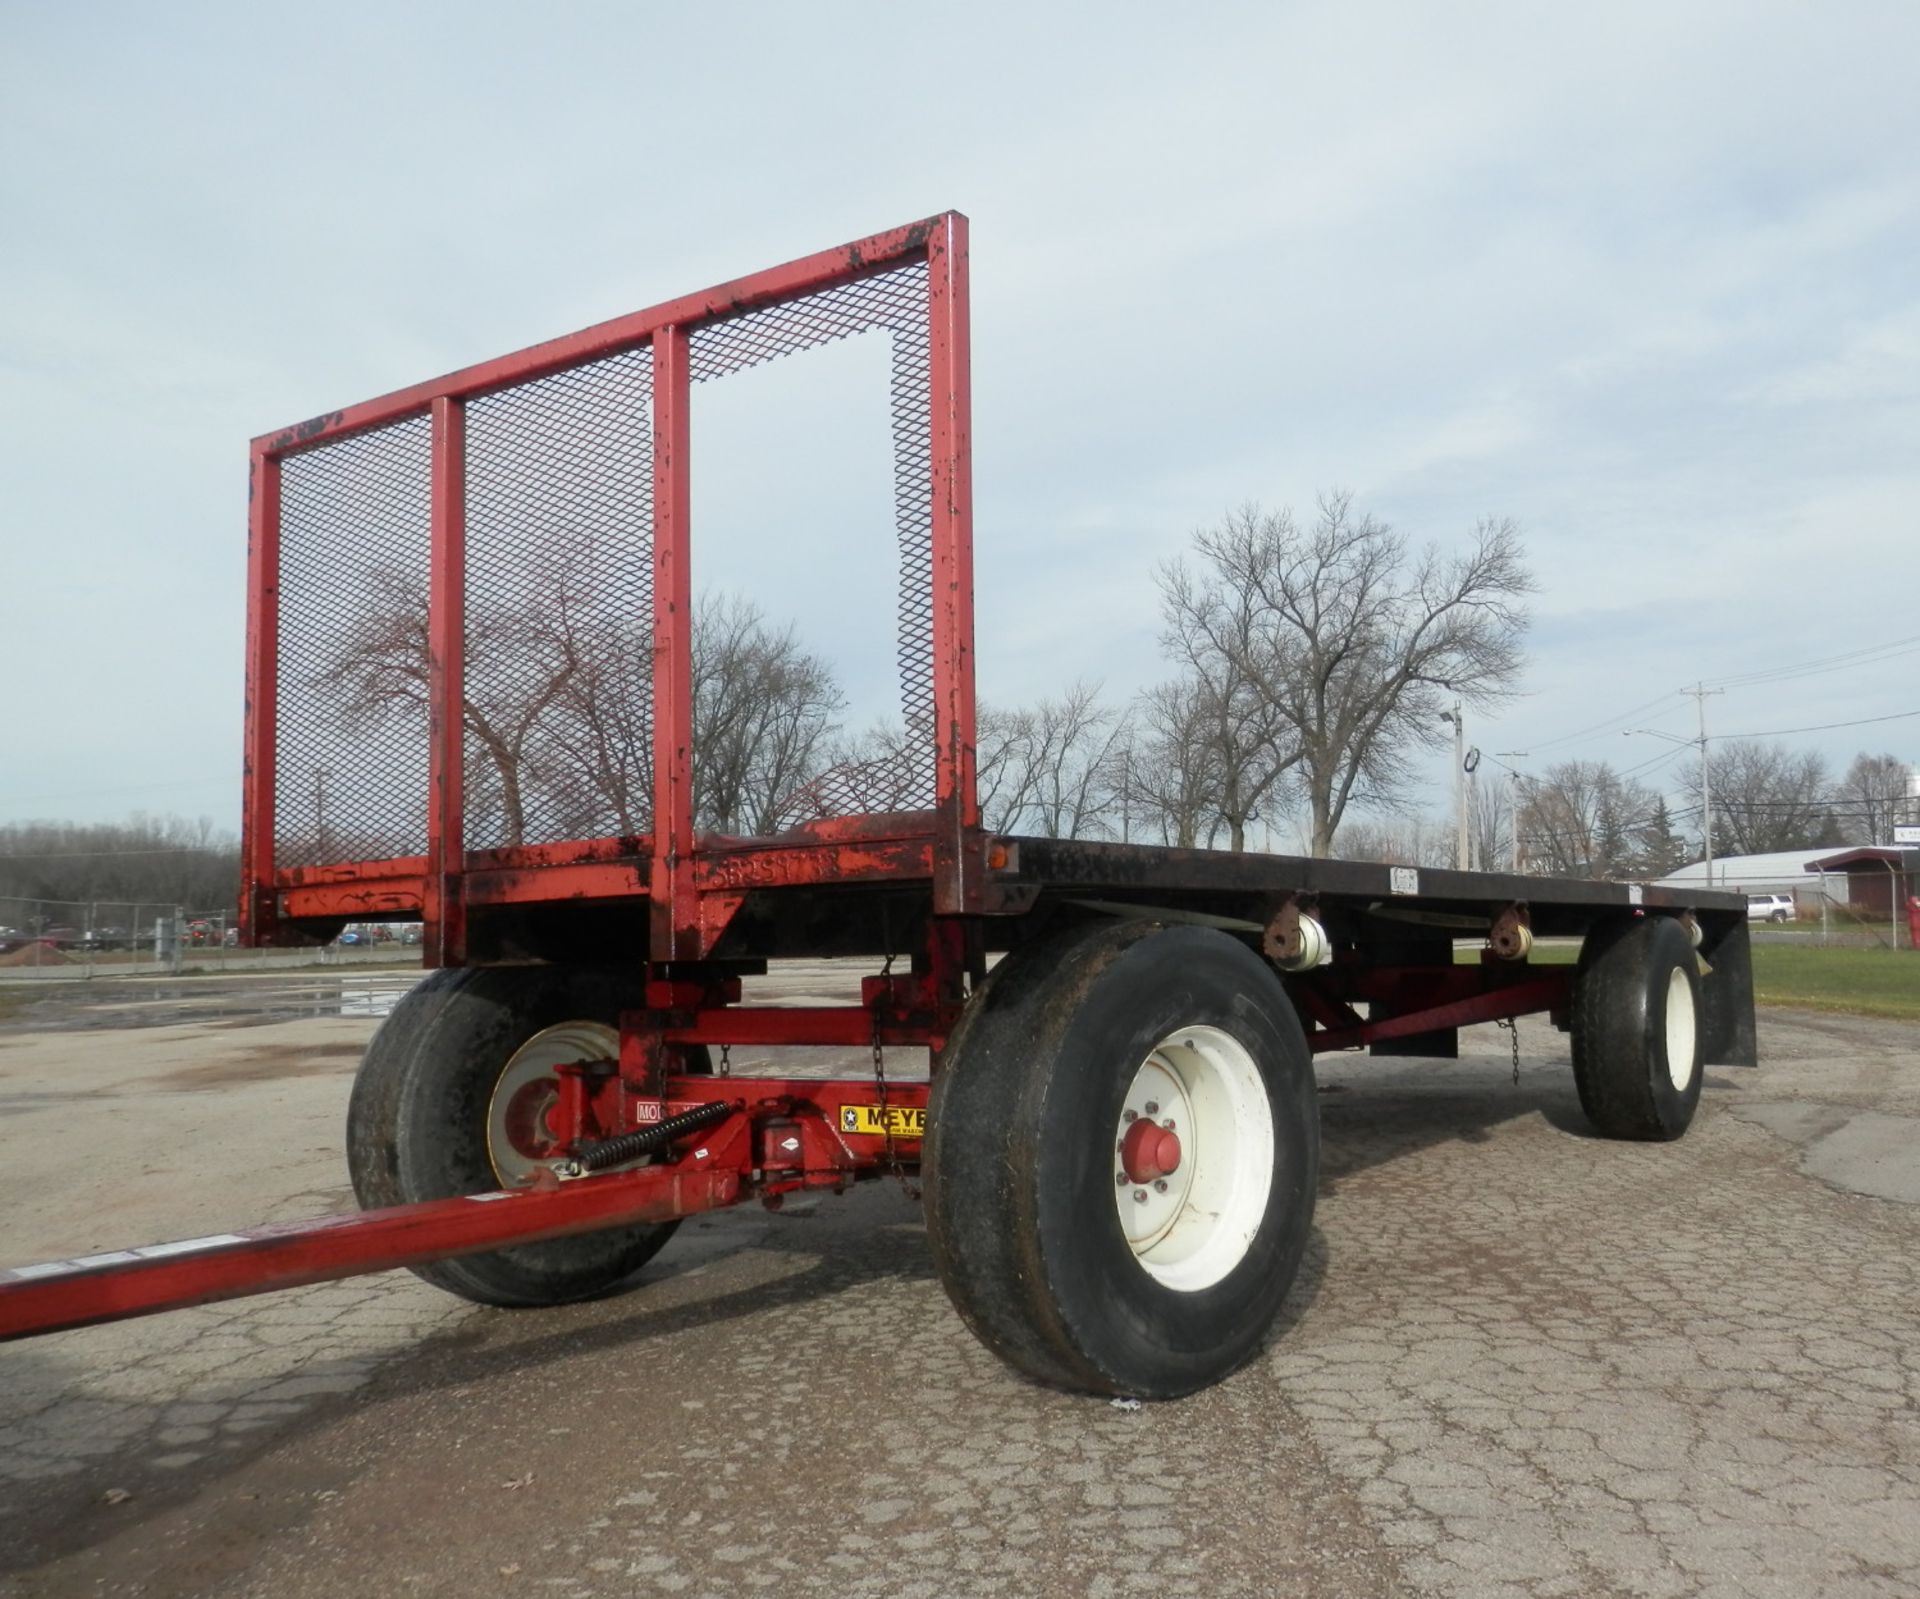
pixel 472 704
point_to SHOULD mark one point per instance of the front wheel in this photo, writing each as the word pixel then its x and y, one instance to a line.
pixel 455 1096
pixel 1122 1150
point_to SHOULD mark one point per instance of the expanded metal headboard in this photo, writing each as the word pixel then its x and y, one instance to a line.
pixel 471 605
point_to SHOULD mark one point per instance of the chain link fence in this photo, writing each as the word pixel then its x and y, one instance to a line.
pixel 1865 908
pixel 84 938
pixel 41 934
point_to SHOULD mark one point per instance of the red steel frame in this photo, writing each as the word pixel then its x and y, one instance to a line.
pixel 692 885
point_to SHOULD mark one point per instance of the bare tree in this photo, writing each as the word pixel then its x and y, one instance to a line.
pixel 148 859
pixel 1078 757
pixel 1171 780
pixel 558 717
pixel 1489 823
pixel 379 675
pixel 1583 819
pixel 1218 631
pixel 1398 840
pixel 1055 768
pixel 888 767
pixel 764 709
pixel 1767 797
pixel 1352 639
pixel 1003 765
pixel 597 747
pixel 1872 797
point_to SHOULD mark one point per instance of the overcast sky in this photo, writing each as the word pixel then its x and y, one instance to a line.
pixel 1644 278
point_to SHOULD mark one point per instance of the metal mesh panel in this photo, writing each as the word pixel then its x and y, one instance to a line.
pixel 559 602
pixel 896 303
pixel 352 765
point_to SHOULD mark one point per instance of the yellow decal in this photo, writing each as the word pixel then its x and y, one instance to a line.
pixel 903 1121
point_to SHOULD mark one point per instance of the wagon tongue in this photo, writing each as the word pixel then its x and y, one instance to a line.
pixel 198 1271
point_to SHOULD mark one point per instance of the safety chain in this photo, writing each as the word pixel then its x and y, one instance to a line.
pixel 726 1060
pixel 880 1090
pixel 1512 1025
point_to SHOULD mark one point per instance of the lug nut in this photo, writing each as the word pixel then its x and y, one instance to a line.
pixel 1139 1196
pixel 1153 1108
pixel 1131 1115
pixel 1119 1179
pixel 1160 1187
pixel 1168 1124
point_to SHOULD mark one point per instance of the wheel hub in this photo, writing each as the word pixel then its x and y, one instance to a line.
pixel 1149 1151
pixel 531 1123
pixel 1193 1158
pixel 523 1132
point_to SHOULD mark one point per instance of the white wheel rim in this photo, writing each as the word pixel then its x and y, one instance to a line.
pixel 1680 1030
pixel 1190 1226
pixel 519 1088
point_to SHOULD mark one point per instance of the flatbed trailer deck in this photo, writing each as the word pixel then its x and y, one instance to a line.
pixel 471 702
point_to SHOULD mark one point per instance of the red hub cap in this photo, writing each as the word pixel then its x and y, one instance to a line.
pixel 1149 1151
pixel 531 1115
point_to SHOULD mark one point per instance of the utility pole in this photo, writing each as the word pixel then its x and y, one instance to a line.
pixel 1513 806
pixel 1460 858
pixel 1700 691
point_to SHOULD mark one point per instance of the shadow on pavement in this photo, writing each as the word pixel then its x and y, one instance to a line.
pixel 1418 1105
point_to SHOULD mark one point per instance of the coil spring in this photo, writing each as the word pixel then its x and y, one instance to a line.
pixel 623 1147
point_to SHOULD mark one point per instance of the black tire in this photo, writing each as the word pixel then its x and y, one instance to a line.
pixel 417 1121
pixel 1019 1161
pixel 1778 916
pixel 1632 1082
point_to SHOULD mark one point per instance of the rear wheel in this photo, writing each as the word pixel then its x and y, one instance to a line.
pixel 1636 1034
pixel 1122 1148
pixel 455 1097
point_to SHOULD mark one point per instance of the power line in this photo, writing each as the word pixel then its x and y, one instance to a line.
pixel 1656 761
pixel 1606 725
pixel 1868 654
pixel 1786 805
pixel 1822 727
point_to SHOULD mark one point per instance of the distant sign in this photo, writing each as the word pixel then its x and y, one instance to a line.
pixel 1907 833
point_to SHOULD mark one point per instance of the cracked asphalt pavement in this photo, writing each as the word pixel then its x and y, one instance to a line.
pixel 1519 1361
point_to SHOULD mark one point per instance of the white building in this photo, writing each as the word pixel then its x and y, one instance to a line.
pixel 1783 872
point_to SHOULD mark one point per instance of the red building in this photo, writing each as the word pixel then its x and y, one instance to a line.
pixel 1879 878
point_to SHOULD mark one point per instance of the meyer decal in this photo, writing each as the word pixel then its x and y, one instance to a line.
pixel 903 1121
